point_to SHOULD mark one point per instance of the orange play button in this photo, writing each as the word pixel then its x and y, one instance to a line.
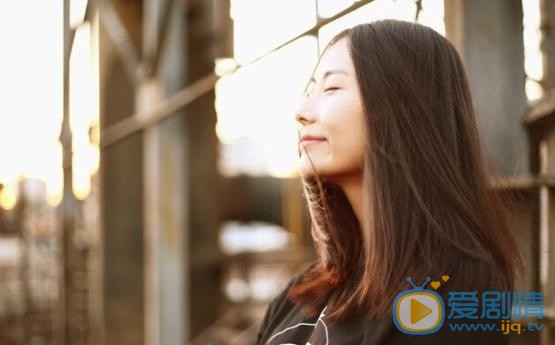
pixel 418 311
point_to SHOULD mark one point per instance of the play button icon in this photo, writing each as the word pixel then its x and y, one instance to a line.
pixel 418 311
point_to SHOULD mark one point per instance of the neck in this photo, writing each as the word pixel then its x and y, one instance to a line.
pixel 352 187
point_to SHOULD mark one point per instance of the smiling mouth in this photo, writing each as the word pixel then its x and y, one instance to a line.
pixel 307 142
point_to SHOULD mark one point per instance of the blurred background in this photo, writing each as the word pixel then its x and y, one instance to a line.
pixel 148 184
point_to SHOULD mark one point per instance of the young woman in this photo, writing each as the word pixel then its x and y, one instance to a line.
pixel 396 187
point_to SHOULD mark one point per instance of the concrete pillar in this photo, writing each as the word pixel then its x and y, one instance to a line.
pixel 166 171
pixel 203 45
pixel 160 194
pixel 488 36
pixel 121 196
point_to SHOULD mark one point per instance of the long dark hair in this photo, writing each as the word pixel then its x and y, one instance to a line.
pixel 430 207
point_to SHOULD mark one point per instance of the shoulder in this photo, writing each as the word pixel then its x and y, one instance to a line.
pixel 280 301
pixel 280 305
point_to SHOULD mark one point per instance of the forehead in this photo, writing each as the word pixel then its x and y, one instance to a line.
pixel 336 56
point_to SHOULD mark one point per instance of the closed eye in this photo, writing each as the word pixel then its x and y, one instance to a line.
pixel 331 88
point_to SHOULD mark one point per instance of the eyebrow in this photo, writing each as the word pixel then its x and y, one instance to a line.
pixel 330 72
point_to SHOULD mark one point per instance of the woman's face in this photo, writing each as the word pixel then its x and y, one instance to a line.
pixel 332 127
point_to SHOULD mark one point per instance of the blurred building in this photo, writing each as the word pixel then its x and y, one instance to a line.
pixel 158 202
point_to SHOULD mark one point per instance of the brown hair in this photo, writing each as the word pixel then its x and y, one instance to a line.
pixel 430 208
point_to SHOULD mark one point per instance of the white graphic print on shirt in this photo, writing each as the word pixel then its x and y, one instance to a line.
pixel 302 324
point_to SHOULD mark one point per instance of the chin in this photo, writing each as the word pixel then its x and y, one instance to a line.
pixel 323 165
pixel 308 171
pixel 305 171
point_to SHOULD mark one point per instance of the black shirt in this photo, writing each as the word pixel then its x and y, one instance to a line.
pixel 285 324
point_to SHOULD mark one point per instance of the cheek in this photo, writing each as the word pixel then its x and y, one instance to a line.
pixel 345 121
pixel 348 151
pixel 348 137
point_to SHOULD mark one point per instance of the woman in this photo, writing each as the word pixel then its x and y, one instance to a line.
pixel 396 187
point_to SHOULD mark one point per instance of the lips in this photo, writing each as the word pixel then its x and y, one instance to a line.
pixel 311 139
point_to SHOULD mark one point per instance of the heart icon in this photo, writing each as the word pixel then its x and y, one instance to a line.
pixel 445 278
pixel 435 284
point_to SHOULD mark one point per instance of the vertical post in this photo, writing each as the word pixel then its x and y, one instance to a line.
pixel 122 190
pixel 148 94
pixel 165 178
pixel 488 36
pixel 201 149
pixel 67 200
pixel 545 223
pixel 172 184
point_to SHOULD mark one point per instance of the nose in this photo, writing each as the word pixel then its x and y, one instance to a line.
pixel 305 115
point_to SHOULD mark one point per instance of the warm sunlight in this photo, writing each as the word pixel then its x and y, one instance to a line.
pixel 257 102
pixel 31 116
pixel 83 107
pixel 258 26
pixel 533 64
pixel 31 86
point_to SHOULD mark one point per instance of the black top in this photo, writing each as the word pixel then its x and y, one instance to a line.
pixel 285 324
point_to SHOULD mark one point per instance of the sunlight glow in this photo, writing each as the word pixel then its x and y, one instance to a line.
pixel 32 105
pixel 327 8
pixel 378 9
pixel 533 64
pixel 8 196
pixel 256 103
pixel 431 15
pixel 84 109
pixel 31 89
pixel 259 25
pixel 77 10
